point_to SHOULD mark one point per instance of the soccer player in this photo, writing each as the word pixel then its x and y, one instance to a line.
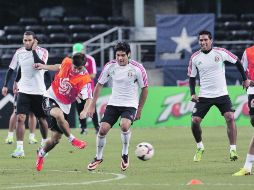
pixel 125 101
pixel 13 118
pixel 30 88
pixel 91 69
pixel 209 63
pixel 248 63
pixel 70 83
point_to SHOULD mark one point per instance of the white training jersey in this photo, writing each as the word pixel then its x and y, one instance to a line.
pixel 126 81
pixel 32 80
pixel 211 69
pixel 245 63
pixel 86 92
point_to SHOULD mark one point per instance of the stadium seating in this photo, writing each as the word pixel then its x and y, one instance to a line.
pixel 78 28
pixel 35 28
pixel 50 20
pixel 249 25
pixel 51 29
pixel 3 40
pixel 6 56
pixel 55 28
pixel 227 17
pixel 222 35
pixel 14 38
pixel 232 25
pixel 72 20
pixel 117 21
pixel 94 20
pixel 99 28
pixel 28 21
pixel 241 34
pixel 59 38
pixel 42 38
pixel 81 37
pixel 247 17
pixel 13 29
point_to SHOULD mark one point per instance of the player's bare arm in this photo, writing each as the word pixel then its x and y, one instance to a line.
pixel 96 94
pixel 142 101
pixel 39 66
pixel 84 112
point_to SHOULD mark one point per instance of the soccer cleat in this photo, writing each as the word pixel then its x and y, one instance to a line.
pixel 242 172
pixel 32 141
pixel 39 163
pixel 18 154
pixel 198 155
pixel 78 143
pixel 94 164
pixel 9 140
pixel 233 155
pixel 124 162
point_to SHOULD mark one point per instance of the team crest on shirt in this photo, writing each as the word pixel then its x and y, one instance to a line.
pixel 216 59
pixel 130 74
pixel 65 86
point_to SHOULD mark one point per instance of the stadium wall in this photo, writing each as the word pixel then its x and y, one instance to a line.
pixel 171 107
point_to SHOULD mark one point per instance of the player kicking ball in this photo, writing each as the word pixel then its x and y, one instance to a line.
pixel 71 82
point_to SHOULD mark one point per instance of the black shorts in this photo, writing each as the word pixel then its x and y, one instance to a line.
pixel 112 114
pixel 27 103
pixel 80 105
pixel 223 103
pixel 251 104
pixel 47 105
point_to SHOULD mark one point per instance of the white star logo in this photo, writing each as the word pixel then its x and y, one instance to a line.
pixel 184 41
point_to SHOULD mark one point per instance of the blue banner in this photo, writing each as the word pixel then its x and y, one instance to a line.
pixel 177 76
pixel 177 37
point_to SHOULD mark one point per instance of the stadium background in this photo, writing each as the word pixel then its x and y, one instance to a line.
pixel 59 24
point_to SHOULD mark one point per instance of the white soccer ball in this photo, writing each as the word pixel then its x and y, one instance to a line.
pixel 144 151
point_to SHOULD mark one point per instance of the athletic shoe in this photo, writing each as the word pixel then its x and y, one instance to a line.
pixel 198 155
pixel 233 155
pixel 39 162
pixel 242 172
pixel 9 140
pixel 78 143
pixel 32 141
pixel 84 131
pixel 124 162
pixel 94 164
pixel 18 154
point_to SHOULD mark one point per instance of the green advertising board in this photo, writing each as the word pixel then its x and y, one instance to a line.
pixel 171 106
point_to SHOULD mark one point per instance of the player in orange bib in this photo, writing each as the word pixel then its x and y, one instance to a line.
pixel 72 82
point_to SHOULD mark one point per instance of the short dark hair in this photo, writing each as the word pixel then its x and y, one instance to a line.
pixel 122 46
pixel 205 32
pixel 79 59
pixel 30 33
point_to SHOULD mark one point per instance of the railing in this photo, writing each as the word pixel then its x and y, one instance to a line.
pixel 101 46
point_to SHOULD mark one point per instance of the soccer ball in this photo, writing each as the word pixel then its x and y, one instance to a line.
pixel 144 151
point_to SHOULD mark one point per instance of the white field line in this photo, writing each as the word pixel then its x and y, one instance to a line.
pixel 118 177
pixel 23 186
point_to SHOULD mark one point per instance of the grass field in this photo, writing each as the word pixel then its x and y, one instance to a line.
pixel 171 167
